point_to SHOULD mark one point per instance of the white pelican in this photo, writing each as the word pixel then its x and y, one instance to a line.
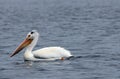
pixel 47 53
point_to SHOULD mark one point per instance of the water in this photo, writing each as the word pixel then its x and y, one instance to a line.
pixel 90 29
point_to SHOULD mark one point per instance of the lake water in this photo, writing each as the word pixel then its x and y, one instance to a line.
pixel 90 29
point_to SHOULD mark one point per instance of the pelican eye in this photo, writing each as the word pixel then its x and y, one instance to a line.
pixel 32 32
pixel 28 35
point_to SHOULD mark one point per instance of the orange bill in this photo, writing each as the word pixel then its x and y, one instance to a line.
pixel 24 44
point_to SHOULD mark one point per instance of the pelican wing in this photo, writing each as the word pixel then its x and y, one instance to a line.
pixel 51 52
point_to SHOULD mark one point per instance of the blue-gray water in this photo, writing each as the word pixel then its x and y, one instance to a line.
pixel 90 29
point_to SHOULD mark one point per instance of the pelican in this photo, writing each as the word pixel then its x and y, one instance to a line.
pixel 47 53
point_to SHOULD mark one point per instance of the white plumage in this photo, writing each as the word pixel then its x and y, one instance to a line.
pixel 47 53
pixel 52 52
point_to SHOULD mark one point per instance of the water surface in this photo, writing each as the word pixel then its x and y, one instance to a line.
pixel 90 29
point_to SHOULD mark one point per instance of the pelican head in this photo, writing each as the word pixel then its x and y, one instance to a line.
pixel 30 41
